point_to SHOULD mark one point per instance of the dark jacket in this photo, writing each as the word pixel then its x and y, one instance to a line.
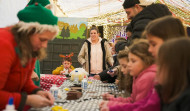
pixel 182 103
pixel 106 77
pixel 148 14
pixel 103 75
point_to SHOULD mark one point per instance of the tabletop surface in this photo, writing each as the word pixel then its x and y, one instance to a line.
pixel 88 102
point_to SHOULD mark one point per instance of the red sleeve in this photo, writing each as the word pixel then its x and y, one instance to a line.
pixel 6 61
pixel 29 86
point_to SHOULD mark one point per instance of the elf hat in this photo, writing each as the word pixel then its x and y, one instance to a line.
pixel 37 13
pixel 42 2
pixel 38 17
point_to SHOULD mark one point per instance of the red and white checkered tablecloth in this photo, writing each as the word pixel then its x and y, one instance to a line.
pixel 47 80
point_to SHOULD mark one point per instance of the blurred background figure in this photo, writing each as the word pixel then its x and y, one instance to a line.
pixel 95 53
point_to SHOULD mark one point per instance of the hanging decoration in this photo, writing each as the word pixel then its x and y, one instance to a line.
pixel 112 32
pixel 179 8
pixel 111 19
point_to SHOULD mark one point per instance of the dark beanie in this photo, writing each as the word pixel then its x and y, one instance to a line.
pixel 120 46
pixel 130 3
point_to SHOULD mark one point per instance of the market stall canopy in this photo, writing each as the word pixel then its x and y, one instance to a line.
pixel 88 8
pixel 111 11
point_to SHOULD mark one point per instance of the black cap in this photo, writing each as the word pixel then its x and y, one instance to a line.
pixel 130 3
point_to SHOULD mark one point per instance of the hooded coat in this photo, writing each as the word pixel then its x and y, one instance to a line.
pixel 148 14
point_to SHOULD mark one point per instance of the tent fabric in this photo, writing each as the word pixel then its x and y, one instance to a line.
pixel 89 8
pixel 9 10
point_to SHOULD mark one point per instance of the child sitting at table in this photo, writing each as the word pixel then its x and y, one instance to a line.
pixel 124 79
pixel 66 66
pixel 141 66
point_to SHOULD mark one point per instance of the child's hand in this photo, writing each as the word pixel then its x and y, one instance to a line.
pixel 112 72
pixel 62 72
pixel 70 70
pixel 107 96
pixel 104 106
pixel 116 81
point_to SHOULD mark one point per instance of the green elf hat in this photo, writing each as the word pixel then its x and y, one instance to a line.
pixel 42 2
pixel 37 13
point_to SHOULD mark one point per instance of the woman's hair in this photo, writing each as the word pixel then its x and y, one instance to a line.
pixel 165 28
pixel 140 49
pixel 22 34
pixel 174 63
pixel 94 28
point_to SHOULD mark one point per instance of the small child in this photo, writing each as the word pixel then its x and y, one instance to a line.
pixel 124 79
pixel 66 66
pixel 141 67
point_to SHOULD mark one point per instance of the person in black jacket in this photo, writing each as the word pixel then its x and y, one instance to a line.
pixel 129 33
pixel 104 76
pixel 141 12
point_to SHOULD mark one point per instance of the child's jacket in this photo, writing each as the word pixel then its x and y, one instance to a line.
pixel 149 103
pixel 60 68
pixel 142 84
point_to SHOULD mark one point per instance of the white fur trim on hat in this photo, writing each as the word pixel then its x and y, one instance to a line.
pixel 40 27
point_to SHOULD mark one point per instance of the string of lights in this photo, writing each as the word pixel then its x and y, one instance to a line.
pixel 179 8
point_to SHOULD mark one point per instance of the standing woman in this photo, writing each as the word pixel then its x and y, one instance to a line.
pixel 95 53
